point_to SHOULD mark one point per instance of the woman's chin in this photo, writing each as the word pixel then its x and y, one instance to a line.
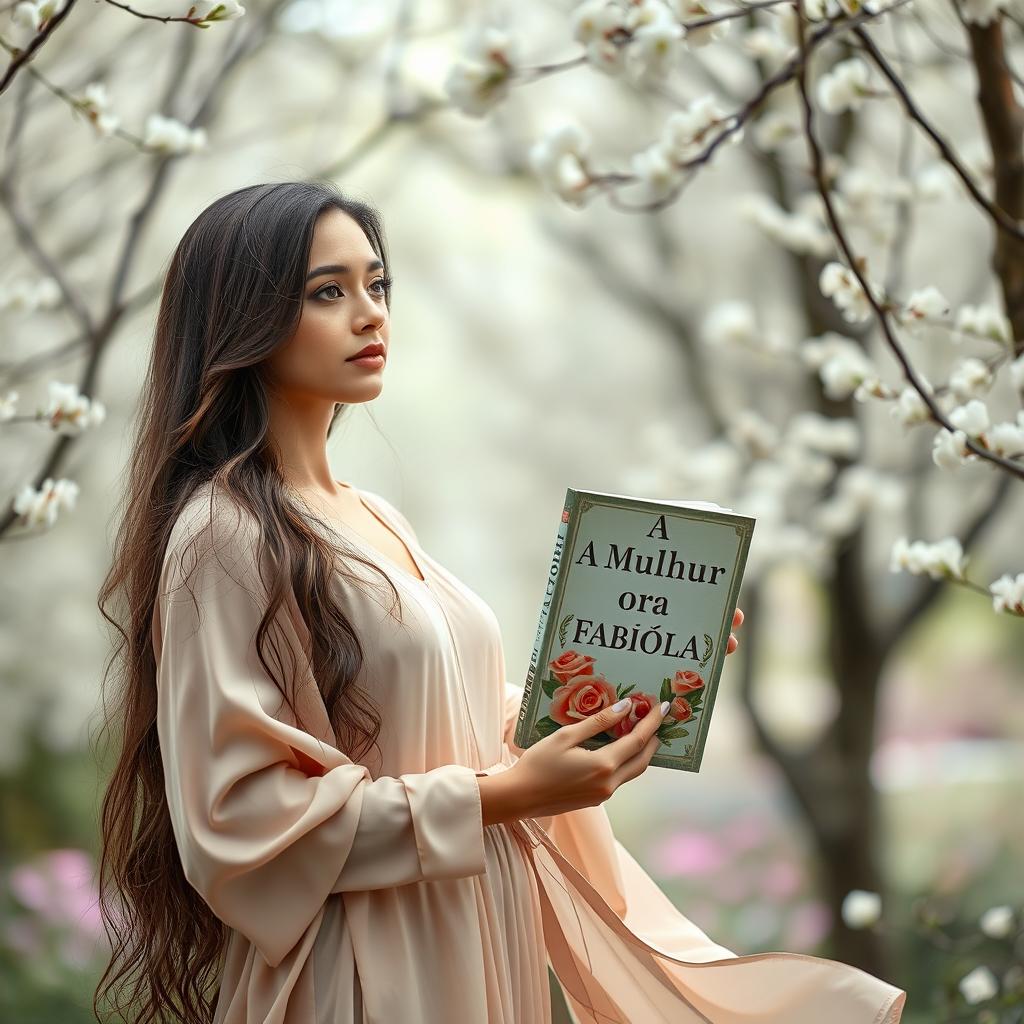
pixel 364 391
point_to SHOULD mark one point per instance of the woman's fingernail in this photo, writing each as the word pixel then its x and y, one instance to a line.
pixel 665 705
pixel 621 705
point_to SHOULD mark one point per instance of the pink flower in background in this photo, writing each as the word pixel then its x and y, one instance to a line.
pixel 580 698
pixel 569 664
pixel 745 832
pixel 59 887
pixel 688 852
pixel 780 879
pixel 642 704
pixel 685 681
pixel 808 924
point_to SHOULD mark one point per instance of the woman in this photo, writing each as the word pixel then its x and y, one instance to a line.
pixel 319 815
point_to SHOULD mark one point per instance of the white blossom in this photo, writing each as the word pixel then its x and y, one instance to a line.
pixel 27 18
pixel 844 372
pixel 7 406
pixel 716 465
pixel 656 40
pixel 802 467
pixel 985 322
pixel 595 18
pixel 926 303
pixel 910 408
pixel 1007 439
pixel 852 7
pixel 798 232
pixel 1017 372
pixel 559 160
pixel 840 362
pixel 687 132
pixel 818 10
pixel 970 378
pixel 26 295
pixel 943 559
pixel 861 908
pixel 171 136
pixel 845 86
pixel 41 507
pixel 998 922
pixel 774 128
pixel 732 322
pixel 95 104
pixel 949 449
pixel 935 181
pixel 750 430
pixel 596 24
pixel 979 985
pixel 656 172
pixel 700 35
pixel 205 12
pixel 836 517
pixel 766 44
pixel 868 488
pixel 971 418
pixel 863 186
pixel 69 412
pixel 836 436
pixel 841 285
pixel 482 78
pixel 1008 593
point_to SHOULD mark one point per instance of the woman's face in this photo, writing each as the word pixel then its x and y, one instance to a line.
pixel 343 311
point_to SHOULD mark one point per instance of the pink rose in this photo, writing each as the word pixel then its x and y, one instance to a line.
pixel 684 682
pixel 680 709
pixel 580 698
pixel 569 664
pixel 642 703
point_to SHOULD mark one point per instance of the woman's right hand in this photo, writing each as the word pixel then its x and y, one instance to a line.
pixel 555 775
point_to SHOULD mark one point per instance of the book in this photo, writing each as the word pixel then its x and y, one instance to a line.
pixel 639 602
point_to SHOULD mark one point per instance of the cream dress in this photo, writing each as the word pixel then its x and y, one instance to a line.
pixel 359 896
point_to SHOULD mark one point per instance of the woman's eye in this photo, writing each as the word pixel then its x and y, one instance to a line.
pixel 381 282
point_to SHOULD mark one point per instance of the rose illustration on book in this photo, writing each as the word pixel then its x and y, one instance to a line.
pixel 577 691
pixel 580 697
pixel 685 681
pixel 569 664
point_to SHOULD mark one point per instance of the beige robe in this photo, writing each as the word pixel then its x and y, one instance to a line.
pixel 359 896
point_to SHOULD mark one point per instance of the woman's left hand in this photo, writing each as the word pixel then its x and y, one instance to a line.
pixel 737 621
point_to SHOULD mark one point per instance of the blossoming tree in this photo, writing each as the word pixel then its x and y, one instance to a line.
pixel 807 86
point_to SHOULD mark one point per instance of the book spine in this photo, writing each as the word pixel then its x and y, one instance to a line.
pixel 549 591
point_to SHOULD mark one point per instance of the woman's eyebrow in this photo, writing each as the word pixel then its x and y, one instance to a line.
pixel 340 268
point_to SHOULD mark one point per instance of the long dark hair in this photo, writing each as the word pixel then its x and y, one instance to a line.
pixel 233 293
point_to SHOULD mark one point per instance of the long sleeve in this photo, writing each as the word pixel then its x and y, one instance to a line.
pixel 265 831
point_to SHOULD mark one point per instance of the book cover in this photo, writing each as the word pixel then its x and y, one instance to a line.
pixel 639 602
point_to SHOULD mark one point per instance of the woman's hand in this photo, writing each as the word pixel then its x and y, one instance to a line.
pixel 556 775
pixel 737 621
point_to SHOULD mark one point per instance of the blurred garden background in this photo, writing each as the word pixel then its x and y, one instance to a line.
pixel 615 269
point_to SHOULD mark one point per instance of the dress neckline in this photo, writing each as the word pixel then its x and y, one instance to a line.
pixel 379 514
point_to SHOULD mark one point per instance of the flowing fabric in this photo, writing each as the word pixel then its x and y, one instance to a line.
pixel 359 893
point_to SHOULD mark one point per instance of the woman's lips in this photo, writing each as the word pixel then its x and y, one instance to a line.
pixel 370 362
